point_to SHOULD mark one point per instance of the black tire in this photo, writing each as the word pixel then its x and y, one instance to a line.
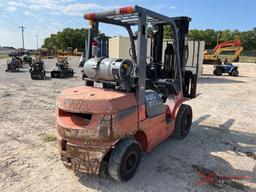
pixel 89 83
pixel 235 73
pixel 32 77
pixel 55 75
pixel 183 122
pixel 42 76
pixel 124 160
pixel 217 72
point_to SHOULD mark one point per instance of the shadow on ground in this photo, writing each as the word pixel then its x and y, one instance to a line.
pixel 169 166
pixel 212 80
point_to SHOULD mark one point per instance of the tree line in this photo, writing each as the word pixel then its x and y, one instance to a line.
pixel 211 37
pixel 66 38
pixel 75 38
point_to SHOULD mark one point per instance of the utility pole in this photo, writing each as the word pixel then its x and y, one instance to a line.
pixel 36 41
pixel 22 33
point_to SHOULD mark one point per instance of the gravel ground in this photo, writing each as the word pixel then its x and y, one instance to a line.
pixel 223 132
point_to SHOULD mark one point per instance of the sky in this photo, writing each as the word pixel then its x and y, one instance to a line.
pixel 44 17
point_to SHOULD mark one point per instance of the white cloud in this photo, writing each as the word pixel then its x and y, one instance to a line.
pixel 172 7
pixel 15 3
pixel 55 7
pixel 55 13
pixel 27 13
pixel 78 9
pixel 10 8
pixel 41 19
pixel 56 24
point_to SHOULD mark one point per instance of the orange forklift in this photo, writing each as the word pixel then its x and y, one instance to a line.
pixel 127 106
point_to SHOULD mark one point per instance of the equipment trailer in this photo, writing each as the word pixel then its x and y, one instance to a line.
pixel 140 103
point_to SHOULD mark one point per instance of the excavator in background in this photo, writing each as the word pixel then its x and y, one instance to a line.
pixel 213 57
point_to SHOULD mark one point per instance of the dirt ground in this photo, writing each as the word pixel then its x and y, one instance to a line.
pixel 223 131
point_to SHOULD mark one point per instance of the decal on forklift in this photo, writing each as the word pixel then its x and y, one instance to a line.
pixel 152 100
pixel 75 105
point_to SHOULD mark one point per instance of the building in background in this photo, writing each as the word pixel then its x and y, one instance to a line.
pixel 119 48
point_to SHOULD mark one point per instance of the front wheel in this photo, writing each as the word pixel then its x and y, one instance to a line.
pixel 124 160
pixel 183 122
pixel 235 73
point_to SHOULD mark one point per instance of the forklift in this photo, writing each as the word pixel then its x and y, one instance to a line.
pixel 127 106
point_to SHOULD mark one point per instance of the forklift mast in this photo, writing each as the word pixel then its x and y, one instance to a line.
pixel 189 80
pixel 167 68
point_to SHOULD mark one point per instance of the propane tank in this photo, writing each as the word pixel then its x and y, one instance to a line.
pixel 108 69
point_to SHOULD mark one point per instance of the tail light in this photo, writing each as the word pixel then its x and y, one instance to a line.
pixel 126 10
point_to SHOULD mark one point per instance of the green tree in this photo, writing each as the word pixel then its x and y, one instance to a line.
pixel 68 37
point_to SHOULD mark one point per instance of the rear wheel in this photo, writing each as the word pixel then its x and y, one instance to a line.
pixel 124 160
pixel 217 72
pixel 183 122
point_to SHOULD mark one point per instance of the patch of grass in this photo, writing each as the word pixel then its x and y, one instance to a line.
pixel 3 56
pixel 49 137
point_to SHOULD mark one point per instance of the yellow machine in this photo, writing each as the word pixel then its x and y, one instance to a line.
pixel 233 47
pixel 78 52
pixel 67 52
